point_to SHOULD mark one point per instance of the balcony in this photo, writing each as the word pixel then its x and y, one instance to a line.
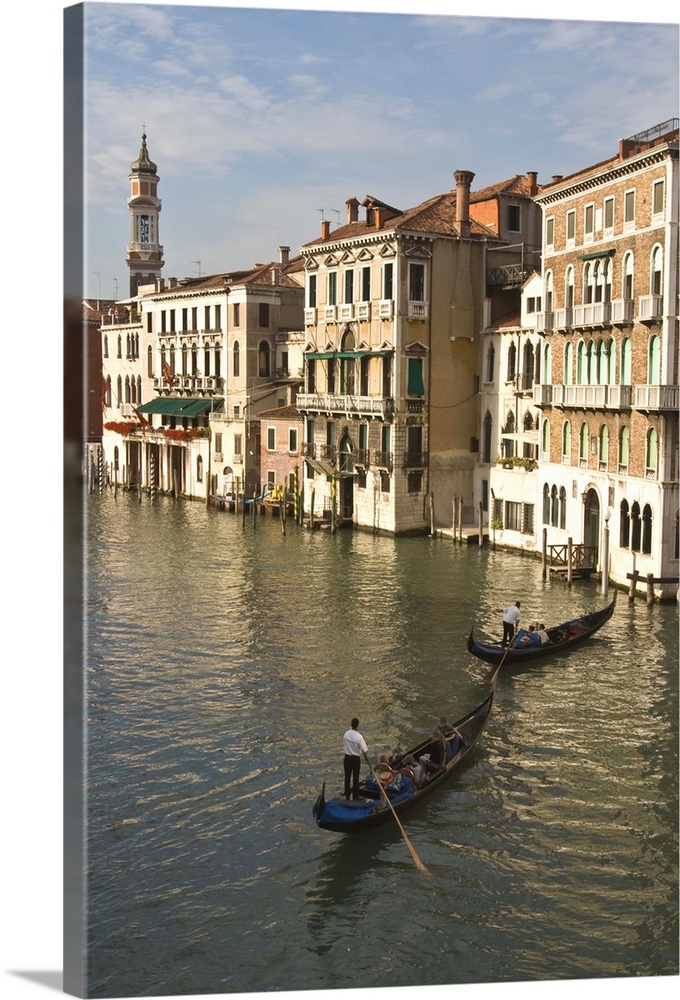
pixel 310 317
pixel 545 322
pixel 621 311
pixel 327 402
pixel 363 311
pixel 362 458
pixel 650 308
pixel 657 397
pixel 418 311
pixel 382 460
pixel 330 314
pixel 346 312
pixel 415 460
pixel 592 314
pixel 586 397
pixel 564 318
pixel 386 309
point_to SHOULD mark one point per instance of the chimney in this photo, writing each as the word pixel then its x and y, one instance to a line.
pixel 352 210
pixel 557 177
pixel 325 228
pixel 463 182
pixel 532 178
pixel 284 256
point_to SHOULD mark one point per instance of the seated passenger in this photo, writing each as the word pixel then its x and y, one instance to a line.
pixel 416 767
pixel 543 635
pixel 530 638
pixel 435 756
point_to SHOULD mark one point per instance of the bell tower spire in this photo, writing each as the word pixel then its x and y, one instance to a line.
pixel 144 252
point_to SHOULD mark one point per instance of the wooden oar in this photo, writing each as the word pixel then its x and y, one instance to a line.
pixel 507 650
pixel 419 864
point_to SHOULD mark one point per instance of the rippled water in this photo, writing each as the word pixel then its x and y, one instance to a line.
pixel 224 663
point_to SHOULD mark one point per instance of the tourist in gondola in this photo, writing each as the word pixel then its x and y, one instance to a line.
pixel 354 746
pixel 511 619
pixel 543 635
pixel 435 755
pixel 451 736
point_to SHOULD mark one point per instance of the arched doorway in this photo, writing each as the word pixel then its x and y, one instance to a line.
pixel 591 523
pixel 346 467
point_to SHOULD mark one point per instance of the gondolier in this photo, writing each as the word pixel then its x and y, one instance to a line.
pixel 354 746
pixel 511 619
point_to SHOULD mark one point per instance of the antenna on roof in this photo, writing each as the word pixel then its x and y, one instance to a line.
pixel 336 211
pixel 320 211
pixel 199 266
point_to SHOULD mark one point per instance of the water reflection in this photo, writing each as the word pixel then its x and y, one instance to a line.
pixel 226 662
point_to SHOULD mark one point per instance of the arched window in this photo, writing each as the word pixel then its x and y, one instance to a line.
pixel 653 361
pixel 563 507
pixel 512 362
pixel 139 388
pixel 626 361
pixel 546 504
pixel 651 453
pixel 185 358
pixel 628 275
pixel 566 443
pixel 676 544
pixel 106 345
pixel 218 362
pixel 133 390
pixel 569 287
pixel 206 360
pixel 348 369
pixel 346 459
pixel 127 389
pixel 548 291
pixel 554 507
pixel 624 531
pixel 624 445
pixel 647 530
pixel 172 359
pixel 236 356
pixel 149 361
pixel 656 271
pixel 581 364
pixel 545 441
pixel 602 363
pixel 120 346
pixel 635 527
pixel 611 362
pixel 603 446
pixel 592 364
pixel 264 359
pixel 199 469
pixel 486 437
pixel 568 364
pixel 588 283
pixel 528 365
pixel 119 393
pixel 107 397
pixel 490 363
pixel 547 365
pixel 583 443
pixel 508 442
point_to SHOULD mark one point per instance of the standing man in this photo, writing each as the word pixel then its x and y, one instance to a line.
pixel 511 619
pixel 354 746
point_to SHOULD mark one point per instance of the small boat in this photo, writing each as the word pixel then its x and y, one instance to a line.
pixel 371 809
pixel 562 638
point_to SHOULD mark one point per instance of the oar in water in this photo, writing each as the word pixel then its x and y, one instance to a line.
pixel 419 864
pixel 507 650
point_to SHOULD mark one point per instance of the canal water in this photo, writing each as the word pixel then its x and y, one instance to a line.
pixel 225 661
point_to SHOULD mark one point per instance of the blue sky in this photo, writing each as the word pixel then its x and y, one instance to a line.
pixel 260 120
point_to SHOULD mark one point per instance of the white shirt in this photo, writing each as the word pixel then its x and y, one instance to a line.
pixel 354 743
pixel 512 615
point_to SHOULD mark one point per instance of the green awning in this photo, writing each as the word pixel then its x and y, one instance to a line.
pixel 596 254
pixel 175 406
pixel 327 355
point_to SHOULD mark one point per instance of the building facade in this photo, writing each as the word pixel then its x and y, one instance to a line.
pixel 609 426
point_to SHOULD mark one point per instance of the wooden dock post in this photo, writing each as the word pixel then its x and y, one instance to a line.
pixel 431 504
pixel 311 511
pixel 454 506
pixel 544 554
pixel 481 525
pixel 334 504
pixel 650 588
pixel 570 554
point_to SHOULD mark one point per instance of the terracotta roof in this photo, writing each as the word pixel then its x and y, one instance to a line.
pixel 508 320
pixel 517 185
pixel 436 216
pixel 258 274
pixel 288 412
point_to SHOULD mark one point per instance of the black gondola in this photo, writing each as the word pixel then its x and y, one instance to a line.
pixel 370 809
pixel 562 638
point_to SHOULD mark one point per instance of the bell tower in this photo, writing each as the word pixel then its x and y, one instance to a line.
pixel 144 252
